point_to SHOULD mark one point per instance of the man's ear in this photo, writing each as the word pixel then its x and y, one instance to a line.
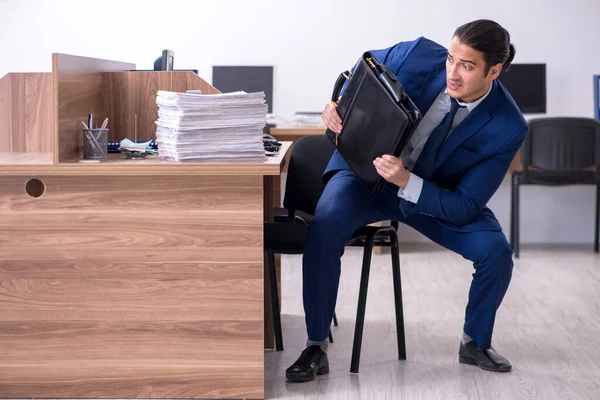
pixel 495 71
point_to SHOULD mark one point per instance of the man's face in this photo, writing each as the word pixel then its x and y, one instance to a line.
pixel 466 72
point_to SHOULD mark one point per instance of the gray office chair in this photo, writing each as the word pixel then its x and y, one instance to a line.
pixel 556 152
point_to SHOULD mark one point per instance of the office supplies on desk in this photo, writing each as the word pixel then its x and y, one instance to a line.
pixel 377 116
pixel 136 150
pixel 95 144
pixel 271 145
pixel 114 146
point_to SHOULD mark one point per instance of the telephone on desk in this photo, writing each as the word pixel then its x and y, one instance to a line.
pixel 271 144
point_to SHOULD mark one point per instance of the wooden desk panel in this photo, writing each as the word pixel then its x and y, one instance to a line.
pixel 145 87
pixel 134 279
pixel 119 105
pixel 26 122
pixel 24 164
pixel 125 287
pixel 5 114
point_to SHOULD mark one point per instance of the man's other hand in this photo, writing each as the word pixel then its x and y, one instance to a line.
pixel 331 117
pixel 392 170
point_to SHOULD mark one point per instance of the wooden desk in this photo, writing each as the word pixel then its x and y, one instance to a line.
pixel 133 279
pixel 125 278
pixel 294 133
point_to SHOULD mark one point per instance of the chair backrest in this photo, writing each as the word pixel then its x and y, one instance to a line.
pixel 304 186
pixel 561 144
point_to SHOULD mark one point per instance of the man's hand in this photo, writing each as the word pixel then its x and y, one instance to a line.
pixel 392 170
pixel 332 118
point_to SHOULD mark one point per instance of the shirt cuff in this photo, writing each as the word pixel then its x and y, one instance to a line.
pixel 413 188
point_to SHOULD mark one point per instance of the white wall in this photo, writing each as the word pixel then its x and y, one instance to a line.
pixel 309 42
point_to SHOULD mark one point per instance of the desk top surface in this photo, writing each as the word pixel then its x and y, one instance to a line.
pixel 283 131
pixel 41 164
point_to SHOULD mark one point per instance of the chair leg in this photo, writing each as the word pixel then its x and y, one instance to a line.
pixel 275 303
pixel 398 298
pixel 362 303
pixel 514 215
pixel 597 220
pixel 335 323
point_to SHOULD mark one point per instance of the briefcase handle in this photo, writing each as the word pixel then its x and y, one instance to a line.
pixel 339 84
pixel 383 74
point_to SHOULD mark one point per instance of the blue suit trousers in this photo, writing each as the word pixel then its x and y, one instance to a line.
pixel 346 205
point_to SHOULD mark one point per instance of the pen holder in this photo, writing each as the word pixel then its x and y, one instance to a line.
pixel 95 144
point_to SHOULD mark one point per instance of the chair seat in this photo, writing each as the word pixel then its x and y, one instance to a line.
pixel 383 236
pixel 551 178
pixel 281 215
pixel 285 237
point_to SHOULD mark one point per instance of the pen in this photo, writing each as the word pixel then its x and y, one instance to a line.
pixel 105 123
pixel 84 125
pixel 90 120
pixel 90 136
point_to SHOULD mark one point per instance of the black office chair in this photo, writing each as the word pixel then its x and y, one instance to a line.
pixel 286 235
pixel 556 152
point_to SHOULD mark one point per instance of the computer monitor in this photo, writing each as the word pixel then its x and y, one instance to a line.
pixel 165 62
pixel 527 85
pixel 246 78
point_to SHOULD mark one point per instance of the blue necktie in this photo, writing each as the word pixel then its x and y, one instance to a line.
pixel 426 162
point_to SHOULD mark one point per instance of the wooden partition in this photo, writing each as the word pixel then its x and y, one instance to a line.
pixel 26 123
pixel 130 99
pixel 78 91
pixel 114 90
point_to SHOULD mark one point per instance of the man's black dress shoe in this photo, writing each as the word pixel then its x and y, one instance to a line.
pixel 486 359
pixel 312 362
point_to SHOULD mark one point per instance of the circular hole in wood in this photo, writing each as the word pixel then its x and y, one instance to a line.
pixel 35 187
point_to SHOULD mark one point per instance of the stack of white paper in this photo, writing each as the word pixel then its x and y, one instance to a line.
pixel 211 127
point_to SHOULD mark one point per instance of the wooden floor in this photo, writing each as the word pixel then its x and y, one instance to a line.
pixel 548 327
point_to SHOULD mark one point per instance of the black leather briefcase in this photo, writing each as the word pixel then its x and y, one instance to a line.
pixel 378 118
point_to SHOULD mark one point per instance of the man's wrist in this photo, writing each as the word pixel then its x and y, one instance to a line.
pixel 404 180
pixel 412 191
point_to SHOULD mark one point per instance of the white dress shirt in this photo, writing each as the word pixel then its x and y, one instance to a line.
pixel 430 121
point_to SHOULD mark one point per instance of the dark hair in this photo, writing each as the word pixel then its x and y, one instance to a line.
pixel 489 38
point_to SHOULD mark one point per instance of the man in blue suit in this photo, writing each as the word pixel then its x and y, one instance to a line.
pixel 440 184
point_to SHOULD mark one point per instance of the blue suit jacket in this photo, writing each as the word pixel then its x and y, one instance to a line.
pixel 476 156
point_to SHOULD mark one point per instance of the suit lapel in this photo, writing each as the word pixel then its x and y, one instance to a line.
pixel 468 127
pixel 476 120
